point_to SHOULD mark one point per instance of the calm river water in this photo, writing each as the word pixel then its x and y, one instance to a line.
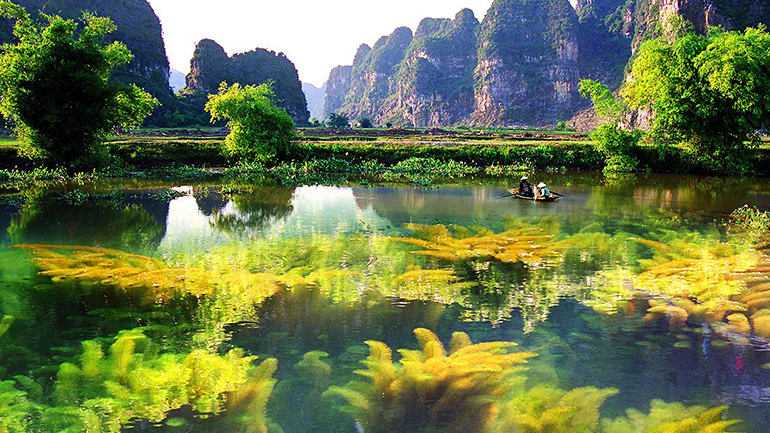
pixel 635 286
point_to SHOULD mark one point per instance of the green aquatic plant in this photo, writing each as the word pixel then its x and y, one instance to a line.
pixel 548 409
pixel 431 390
pixel 5 324
pixel 669 418
pixel 752 222
pixel 133 381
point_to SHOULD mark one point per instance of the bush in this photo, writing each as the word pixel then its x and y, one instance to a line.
pixel 259 130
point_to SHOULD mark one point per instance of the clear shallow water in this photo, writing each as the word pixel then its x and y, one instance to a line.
pixel 574 305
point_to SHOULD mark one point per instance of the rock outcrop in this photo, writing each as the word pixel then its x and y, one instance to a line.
pixel 433 85
pixel 315 99
pixel 210 66
pixel 372 71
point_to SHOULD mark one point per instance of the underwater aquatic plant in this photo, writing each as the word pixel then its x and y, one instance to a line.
pixel 548 409
pixel 669 418
pixel 133 382
pixel 523 243
pixel 431 390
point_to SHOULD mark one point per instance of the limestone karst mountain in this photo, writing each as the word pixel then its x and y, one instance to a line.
pixel 520 66
pixel 210 66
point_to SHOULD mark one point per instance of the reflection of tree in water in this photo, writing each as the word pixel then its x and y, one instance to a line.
pixel 255 210
pixel 103 223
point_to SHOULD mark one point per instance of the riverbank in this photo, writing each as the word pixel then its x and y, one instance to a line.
pixel 486 151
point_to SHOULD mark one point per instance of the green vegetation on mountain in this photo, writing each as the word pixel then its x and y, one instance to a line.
pixel 55 87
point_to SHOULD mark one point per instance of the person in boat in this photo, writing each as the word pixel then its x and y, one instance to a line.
pixel 525 188
pixel 542 191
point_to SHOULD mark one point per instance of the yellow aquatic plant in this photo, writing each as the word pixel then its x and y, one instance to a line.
pixel 430 389
pixel 525 243
pixel 548 409
pixel 149 279
pixel 669 418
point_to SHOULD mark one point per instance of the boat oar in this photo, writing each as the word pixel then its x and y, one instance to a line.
pixel 506 196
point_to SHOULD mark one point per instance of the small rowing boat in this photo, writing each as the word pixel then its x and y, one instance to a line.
pixel 523 197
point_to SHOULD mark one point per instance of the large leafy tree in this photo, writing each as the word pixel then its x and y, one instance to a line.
pixel 259 130
pixel 709 93
pixel 56 90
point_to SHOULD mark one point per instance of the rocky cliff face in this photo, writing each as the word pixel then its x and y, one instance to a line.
pixel 371 72
pixel 337 88
pixel 520 66
pixel 528 63
pixel 138 27
pixel 650 16
pixel 315 99
pixel 210 66
pixel 433 85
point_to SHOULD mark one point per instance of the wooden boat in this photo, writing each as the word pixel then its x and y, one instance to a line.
pixel 516 194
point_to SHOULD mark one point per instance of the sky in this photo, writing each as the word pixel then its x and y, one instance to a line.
pixel 316 35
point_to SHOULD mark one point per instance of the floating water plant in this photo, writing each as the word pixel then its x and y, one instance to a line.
pixel 527 243
pixel 147 278
pixel 430 390
pixel 669 418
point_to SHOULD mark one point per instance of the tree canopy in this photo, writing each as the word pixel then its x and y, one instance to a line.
pixel 55 87
pixel 707 92
pixel 259 130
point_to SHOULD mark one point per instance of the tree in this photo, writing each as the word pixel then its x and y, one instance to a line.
pixel 338 121
pixel 365 122
pixel 259 130
pixel 709 93
pixel 55 87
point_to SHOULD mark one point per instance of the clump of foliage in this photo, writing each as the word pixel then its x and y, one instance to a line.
pixel 338 121
pixel 669 417
pixel 430 389
pixel 365 123
pixel 751 221
pixel 55 87
pixel 616 143
pixel 134 382
pixel 259 130
pixel 708 93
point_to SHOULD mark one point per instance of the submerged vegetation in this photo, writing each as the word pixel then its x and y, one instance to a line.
pixel 241 335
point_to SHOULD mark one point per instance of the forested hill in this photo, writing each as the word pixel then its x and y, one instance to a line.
pixel 520 66
pixel 210 66
pixel 138 27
